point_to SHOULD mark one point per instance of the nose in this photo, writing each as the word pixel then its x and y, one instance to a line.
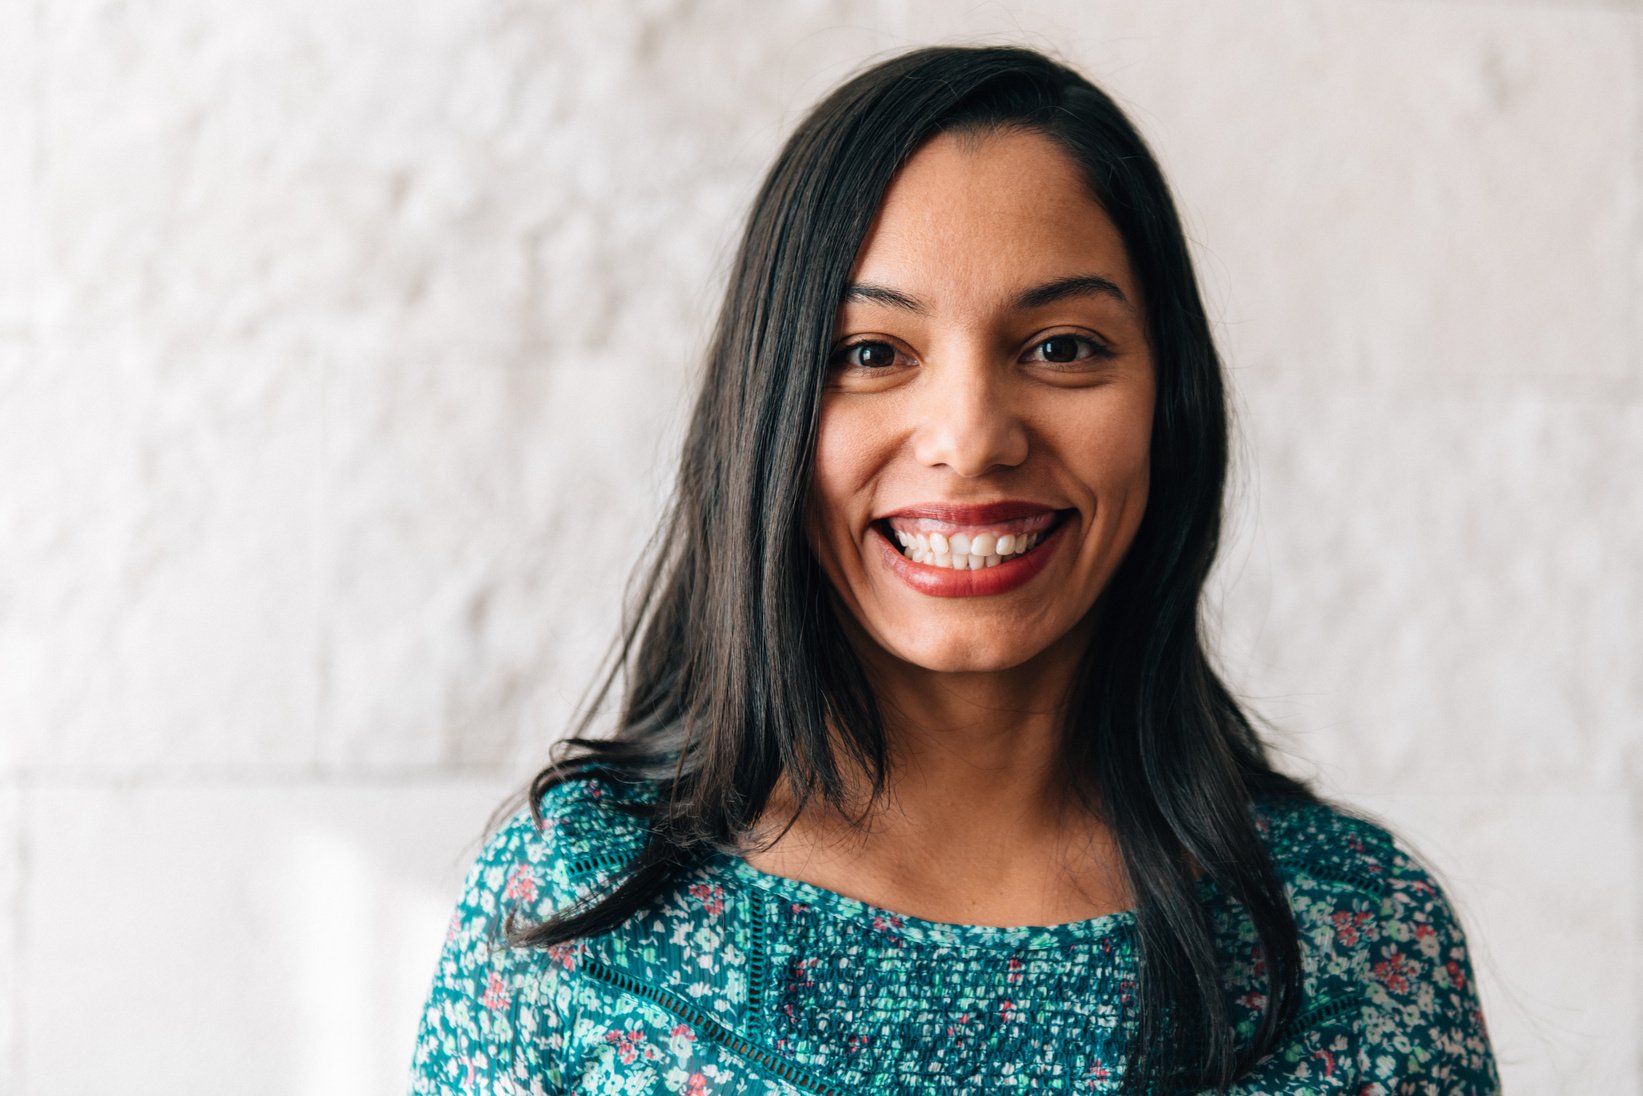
pixel 968 420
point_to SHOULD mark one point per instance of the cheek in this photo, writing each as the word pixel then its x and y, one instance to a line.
pixel 850 447
pixel 833 486
pixel 1108 446
pixel 1130 463
pixel 1127 470
pixel 1130 459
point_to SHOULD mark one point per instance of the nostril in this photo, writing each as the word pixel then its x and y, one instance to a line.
pixel 974 446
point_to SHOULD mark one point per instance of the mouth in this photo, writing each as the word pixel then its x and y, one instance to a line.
pixel 969 538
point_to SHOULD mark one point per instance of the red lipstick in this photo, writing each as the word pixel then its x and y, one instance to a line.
pixel 989 513
pixel 990 581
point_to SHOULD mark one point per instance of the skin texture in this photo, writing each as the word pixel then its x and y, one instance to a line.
pixel 973 397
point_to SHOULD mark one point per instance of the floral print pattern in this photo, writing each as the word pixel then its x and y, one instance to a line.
pixel 740 982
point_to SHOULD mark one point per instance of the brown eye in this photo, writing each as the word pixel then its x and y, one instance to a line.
pixel 868 355
pixel 1062 348
pixel 1066 349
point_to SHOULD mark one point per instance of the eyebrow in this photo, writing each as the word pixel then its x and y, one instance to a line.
pixel 1082 285
pixel 881 294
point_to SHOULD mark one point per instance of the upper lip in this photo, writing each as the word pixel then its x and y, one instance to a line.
pixel 972 513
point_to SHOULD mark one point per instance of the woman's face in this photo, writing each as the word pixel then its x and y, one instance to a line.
pixel 982 464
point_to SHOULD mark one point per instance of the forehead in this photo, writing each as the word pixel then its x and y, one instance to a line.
pixel 972 216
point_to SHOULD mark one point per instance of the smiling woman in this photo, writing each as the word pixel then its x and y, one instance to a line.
pixel 922 780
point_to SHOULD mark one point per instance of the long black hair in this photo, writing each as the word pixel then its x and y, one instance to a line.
pixel 733 671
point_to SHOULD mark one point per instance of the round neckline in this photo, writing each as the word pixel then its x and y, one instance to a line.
pixel 913 929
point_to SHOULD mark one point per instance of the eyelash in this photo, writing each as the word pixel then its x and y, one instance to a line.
pixel 1096 351
pixel 841 356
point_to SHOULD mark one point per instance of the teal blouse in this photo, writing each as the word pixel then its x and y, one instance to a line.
pixel 742 982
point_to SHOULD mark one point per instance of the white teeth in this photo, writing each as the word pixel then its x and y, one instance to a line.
pixel 960 552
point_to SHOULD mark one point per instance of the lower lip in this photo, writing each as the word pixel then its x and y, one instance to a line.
pixel 990 581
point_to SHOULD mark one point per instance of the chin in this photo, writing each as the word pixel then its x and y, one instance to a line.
pixel 953 658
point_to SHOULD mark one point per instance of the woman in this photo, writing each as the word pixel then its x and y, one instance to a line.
pixel 922 781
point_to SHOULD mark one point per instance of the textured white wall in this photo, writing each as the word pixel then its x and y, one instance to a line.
pixel 342 347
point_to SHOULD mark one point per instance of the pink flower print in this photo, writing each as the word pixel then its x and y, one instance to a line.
pixel 855 1043
pixel 521 884
pixel 1014 977
pixel 1099 1071
pixel 1254 1000
pixel 454 927
pixel 801 972
pixel 712 896
pixel 799 907
pixel 496 994
pixel 565 954
pixel 1394 973
pixel 1347 925
pixel 474 1065
pixel 1457 976
pixel 697 1085
pixel 1005 1011
pixel 628 1044
pixel 1329 1061
pixel 682 1031
pixel 885 924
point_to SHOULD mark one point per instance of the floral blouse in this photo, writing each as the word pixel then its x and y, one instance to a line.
pixel 748 983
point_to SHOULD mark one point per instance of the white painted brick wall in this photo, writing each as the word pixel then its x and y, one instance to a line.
pixel 342 352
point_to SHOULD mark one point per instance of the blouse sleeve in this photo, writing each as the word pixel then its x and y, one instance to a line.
pixel 495 1015
pixel 1423 1027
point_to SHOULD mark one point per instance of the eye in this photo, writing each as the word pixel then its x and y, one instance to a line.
pixel 866 355
pixel 1066 349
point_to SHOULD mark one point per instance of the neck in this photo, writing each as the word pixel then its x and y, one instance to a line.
pixel 973 753
pixel 975 760
pixel 980 823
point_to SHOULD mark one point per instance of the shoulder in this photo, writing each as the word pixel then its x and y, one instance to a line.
pixel 496 1015
pixel 1325 843
pixel 1342 869
pixel 535 864
pixel 1333 859
pixel 1381 945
